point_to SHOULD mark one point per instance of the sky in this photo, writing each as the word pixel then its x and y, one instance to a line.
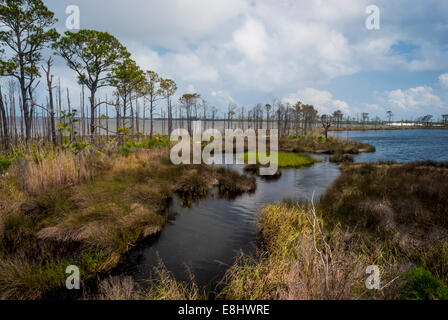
pixel 319 52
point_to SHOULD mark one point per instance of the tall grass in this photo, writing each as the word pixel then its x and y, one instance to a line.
pixel 90 207
pixel 390 215
pixel 300 259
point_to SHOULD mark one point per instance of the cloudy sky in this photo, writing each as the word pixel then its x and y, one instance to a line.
pixel 319 52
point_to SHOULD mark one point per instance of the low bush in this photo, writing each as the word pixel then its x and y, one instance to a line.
pixel 420 284
pixel 5 163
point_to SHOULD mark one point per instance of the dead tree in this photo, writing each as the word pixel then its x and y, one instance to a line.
pixel 327 122
pixel 4 122
pixel 51 110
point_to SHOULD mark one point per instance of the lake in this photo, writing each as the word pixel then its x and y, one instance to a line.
pixel 401 145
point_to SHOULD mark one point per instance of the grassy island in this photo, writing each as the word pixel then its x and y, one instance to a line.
pixel 288 160
pixel 341 150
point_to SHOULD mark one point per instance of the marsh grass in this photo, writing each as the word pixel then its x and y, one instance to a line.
pixel 385 214
pixel 392 197
pixel 162 286
pixel 285 160
pixel 401 208
pixel 318 144
pixel 89 209
pixel 299 259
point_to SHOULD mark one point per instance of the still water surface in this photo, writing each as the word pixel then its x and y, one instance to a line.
pixel 401 145
pixel 207 237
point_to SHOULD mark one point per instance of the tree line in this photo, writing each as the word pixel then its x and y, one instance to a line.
pixel 99 60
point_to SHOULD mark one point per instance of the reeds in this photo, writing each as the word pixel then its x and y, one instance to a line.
pixel 300 260
pixel 89 208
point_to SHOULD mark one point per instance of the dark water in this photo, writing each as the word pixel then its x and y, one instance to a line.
pixel 207 237
pixel 401 145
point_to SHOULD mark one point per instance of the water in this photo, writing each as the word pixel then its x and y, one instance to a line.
pixel 401 145
pixel 144 126
pixel 207 237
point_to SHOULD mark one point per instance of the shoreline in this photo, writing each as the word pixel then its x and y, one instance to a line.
pixel 386 129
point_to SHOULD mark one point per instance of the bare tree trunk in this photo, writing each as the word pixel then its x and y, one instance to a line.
pixel 107 121
pixel 71 121
pixel 151 111
pixel 144 117
pixel 22 122
pixel 83 114
pixel 4 122
pixel 132 117
pixel 117 120
pixel 51 101
pixel 124 111
pixel 14 118
pixel 170 116
pixel 92 116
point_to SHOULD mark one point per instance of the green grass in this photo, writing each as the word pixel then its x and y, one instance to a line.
pixel 287 160
pixel 422 285
pixel 289 266
pixel 4 163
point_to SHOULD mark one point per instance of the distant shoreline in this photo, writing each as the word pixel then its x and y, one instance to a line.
pixel 386 128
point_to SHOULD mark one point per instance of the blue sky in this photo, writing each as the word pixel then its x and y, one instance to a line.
pixel 318 52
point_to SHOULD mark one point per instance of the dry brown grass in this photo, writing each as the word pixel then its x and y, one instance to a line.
pixel 406 199
pixel 117 288
pixel 62 169
pixel 88 209
pixel 332 145
pixel 163 286
pixel 300 260
pixel 398 208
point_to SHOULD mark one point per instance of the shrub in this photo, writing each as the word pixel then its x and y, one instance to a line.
pixel 77 147
pixel 340 157
pixel 158 141
pixel 5 163
pixel 126 151
pixel 420 284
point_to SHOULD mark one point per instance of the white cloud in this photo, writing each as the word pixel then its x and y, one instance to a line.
pixel 251 39
pixel 322 100
pixel 444 79
pixel 414 99
pixel 186 66
pixel 270 48
pixel 222 97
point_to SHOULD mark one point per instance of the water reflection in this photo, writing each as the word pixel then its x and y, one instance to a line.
pixel 206 237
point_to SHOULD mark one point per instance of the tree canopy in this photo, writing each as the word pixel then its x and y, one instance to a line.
pixel 92 54
pixel 26 29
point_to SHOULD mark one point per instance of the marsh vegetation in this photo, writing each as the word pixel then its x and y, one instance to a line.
pixel 385 214
pixel 89 209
